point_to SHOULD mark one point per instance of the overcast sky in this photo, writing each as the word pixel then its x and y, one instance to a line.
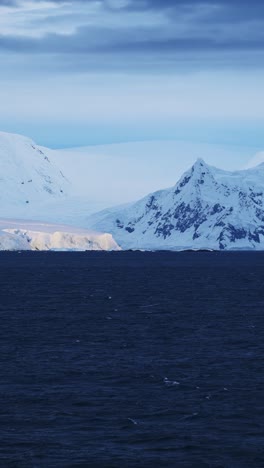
pixel 99 71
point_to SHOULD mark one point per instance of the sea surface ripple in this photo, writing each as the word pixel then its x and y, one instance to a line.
pixel 132 359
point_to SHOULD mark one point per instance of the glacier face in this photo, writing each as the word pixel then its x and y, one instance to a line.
pixel 32 187
pixel 32 235
pixel 207 209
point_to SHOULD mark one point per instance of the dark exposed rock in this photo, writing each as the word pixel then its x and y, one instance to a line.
pixel 254 236
pixel 220 224
pixel 186 216
pixel 185 181
pixel 233 233
pixel 119 224
pixel 217 208
pixel 196 235
pixel 130 229
pixel 260 214
pixel 152 203
pixel 256 197
pixel 164 230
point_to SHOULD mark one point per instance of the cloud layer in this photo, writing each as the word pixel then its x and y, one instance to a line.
pixel 136 68
pixel 151 33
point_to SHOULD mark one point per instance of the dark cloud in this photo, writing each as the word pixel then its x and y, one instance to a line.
pixel 200 33
pixel 218 10
pixel 254 5
pixel 115 43
pixel 9 3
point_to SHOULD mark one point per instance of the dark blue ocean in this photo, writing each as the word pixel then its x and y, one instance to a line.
pixel 132 360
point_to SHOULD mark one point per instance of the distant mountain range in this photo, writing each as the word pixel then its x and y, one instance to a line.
pixel 207 209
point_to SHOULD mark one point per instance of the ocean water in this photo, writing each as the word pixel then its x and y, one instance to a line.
pixel 132 360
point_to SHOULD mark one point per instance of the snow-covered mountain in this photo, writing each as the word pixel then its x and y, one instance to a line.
pixel 207 209
pixel 28 179
pixel 32 185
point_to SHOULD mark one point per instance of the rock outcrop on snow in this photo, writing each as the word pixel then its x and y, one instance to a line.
pixel 207 209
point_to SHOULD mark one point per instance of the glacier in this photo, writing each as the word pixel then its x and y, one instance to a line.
pixel 208 208
pixel 33 187
pixel 22 235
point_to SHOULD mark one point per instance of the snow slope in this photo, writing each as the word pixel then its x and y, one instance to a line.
pixel 257 159
pixel 32 185
pixel 28 179
pixel 208 208
pixel 11 242
pixel 22 235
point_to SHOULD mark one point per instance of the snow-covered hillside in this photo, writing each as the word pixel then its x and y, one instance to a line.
pixel 32 185
pixel 28 179
pixel 22 235
pixel 207 208
pixel 257 159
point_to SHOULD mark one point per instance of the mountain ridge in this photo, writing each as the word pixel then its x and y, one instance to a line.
pixel 207 208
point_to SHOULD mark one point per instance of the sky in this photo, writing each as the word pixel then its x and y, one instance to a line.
pixel 88 72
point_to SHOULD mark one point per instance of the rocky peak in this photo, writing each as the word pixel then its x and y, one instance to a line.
pixel 193 180
pixel 207 208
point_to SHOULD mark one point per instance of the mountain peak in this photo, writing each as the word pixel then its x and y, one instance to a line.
pixel 208 208
pixel 200 161
pixel 199 165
